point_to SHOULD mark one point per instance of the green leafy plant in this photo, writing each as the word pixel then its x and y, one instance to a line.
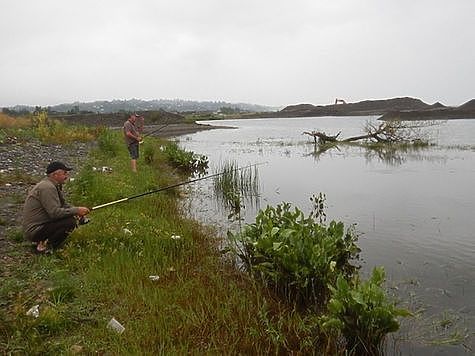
pixel 362 312
pixel 295 255
pixel 185 160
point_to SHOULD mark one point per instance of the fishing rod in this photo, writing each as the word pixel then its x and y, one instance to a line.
pixel 166 188
pixel 156 130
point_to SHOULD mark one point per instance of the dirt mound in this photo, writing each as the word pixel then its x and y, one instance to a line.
pixel 118 119
pixel 469 105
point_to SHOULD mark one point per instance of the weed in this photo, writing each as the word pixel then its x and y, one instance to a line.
pixel 294 255
pixel 233 186
pixel 187 161
pixel 362 312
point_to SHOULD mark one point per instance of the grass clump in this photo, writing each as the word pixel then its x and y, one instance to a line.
pixel 233 185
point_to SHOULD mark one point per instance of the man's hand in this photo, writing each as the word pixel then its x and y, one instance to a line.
pixel 83 211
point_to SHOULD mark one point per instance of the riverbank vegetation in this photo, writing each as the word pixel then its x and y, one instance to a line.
pixel 164 279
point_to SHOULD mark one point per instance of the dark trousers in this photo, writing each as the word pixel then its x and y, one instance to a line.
pixel 56 231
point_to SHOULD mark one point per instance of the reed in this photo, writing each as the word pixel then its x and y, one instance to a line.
pixel 236 186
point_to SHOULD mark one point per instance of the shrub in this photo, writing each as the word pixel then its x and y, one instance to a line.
pixel 362 312
pixel 108 143
pixel 295 255
pixel 185 160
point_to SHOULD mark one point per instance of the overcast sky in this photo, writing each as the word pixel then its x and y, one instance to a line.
pixel 269 52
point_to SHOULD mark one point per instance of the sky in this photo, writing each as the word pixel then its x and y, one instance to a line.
pixel 267 52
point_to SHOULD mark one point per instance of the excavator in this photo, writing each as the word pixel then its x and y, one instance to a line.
pixel 339 101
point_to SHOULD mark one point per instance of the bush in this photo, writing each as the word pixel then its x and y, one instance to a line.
pixel 186 160
pixel 362 312
pixel 295 255
pixel 108 143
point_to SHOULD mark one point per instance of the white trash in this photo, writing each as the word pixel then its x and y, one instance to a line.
pixel 154 278
pixel 34 311
pixel 116 326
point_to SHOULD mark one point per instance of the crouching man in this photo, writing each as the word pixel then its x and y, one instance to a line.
pixel 47 218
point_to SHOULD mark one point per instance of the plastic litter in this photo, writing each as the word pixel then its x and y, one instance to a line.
pixel 116 326
pixel 34 311
pixel 154 278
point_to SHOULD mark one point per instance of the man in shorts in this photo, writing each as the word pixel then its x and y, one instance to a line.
pixel 132 139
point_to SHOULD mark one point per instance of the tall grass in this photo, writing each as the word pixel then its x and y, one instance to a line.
pixel 235 186
pixel 7 121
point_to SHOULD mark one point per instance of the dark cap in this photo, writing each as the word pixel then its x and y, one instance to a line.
pixel 54 166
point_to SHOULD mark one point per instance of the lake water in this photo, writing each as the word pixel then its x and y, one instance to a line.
pixel 414 210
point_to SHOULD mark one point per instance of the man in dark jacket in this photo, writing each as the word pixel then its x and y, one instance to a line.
pixel 47 218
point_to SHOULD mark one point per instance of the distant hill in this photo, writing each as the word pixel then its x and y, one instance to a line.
pixel 469 105
pixel 131 105
pixel 367 107
pixel 391 109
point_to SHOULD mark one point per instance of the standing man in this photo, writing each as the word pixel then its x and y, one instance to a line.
pixel 47 218
pixel 132 139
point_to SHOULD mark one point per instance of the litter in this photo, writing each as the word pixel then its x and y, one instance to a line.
pixel 176 237
pixel 154 278
pixel 103 169
pixel 34 311
pixel 116 326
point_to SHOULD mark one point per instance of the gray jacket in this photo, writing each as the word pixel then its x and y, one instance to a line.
pixel 44 203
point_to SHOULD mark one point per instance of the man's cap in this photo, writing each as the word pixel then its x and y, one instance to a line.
pixel 54 166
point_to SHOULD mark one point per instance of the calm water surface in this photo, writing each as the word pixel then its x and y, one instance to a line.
pixel 414 210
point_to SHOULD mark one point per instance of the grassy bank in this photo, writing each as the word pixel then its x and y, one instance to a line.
pixel 198 304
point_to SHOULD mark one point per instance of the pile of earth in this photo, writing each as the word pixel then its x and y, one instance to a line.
pixel 397 108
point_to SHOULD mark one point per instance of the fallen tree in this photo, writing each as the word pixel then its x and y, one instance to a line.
pixel 385 132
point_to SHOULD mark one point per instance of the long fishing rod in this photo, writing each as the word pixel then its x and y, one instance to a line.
pixel 154 131
pixel 166 188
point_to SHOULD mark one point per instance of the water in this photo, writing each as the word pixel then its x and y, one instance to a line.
pixel 414 210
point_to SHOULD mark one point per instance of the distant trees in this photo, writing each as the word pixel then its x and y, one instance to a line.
pixel 229 110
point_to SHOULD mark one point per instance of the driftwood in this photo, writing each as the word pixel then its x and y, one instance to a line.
pixel 388 132
pixel 321 137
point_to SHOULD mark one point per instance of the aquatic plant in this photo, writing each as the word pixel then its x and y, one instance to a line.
pixel 235 185
pixel 185 160
pixel 362 312
pixel 295 255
